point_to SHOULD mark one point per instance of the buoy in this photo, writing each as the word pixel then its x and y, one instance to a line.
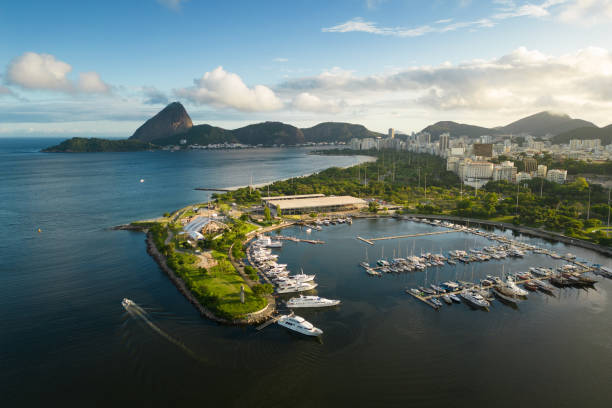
pixel 142 180
pixel 39 230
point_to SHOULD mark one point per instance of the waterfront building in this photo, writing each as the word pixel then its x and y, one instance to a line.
pixel 556 176
pixel 304 204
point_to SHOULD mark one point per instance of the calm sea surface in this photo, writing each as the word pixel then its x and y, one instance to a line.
pixel 65 339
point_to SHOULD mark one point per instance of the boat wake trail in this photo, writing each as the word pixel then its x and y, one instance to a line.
pixel 136 311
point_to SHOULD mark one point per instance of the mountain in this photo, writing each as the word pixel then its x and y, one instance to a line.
pixel 269 133
pixel 81 144
pixel 171 120
pixel 457 130
pixel 199 134
pixel 544 123
pixel 337 132
pixel 586 133
pixel 540 124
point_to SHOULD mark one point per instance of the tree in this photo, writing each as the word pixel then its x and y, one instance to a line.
pixel 373 206
pixel 267 214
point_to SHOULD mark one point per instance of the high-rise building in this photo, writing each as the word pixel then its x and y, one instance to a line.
pixel 531 165
pixel 557 176
pixel 541 173
pixel 444 142
pixel 505 171
pixel 391 133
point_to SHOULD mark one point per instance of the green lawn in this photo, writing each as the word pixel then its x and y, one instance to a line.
pixel 218 289
pixel 502 218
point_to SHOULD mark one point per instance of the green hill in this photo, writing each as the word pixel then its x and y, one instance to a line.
pixel 586 133
pixel 82 144
pixel 337 132
pixel 268 134
pixel 200 134
pixel 457 130
pixel 545 123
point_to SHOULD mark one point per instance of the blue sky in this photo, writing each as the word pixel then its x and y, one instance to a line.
pixel 101 68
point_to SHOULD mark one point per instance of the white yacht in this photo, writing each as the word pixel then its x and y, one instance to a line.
pixel 509 288
pixel 296 287
pixel 299 324
pixel 268 242
pixel 311 301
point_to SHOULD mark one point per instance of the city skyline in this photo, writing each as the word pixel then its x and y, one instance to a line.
pixel 379 63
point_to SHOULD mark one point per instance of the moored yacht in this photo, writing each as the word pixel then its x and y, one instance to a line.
pixel 476 300
pixel 296 287
pixel 299 324
pixel 311 301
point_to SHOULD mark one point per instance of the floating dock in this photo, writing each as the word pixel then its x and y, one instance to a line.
pixel 365 240
pixel 294 239
pixel 409 235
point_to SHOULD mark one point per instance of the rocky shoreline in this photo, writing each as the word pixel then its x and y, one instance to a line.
pixel 252 318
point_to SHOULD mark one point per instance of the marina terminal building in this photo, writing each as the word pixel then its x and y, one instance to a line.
pixel 307 203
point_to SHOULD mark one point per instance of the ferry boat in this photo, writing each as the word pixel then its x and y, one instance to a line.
pixel 299 324
pixel 311 301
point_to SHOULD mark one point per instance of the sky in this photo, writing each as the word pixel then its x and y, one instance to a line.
pixel 100 68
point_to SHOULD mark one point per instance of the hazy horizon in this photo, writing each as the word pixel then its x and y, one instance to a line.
pixel 378 63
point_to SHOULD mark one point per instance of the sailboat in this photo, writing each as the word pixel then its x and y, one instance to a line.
pixel 366 263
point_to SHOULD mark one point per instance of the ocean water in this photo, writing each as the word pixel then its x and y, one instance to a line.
pixel 65 339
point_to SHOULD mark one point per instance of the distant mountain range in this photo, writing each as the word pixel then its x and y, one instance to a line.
pixel 173 124
pixel 540 124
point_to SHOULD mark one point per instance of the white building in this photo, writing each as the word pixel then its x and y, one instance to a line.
pixel 541 172
pixel 522 176
pixel 505 171
pixel 557 176
pixel 444 142
pixel 477 170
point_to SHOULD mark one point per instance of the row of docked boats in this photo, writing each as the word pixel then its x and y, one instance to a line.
pixel 517 245
pixel 261 255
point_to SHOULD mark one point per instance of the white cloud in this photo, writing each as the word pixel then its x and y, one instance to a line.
pixel 172 4
pixel 584 12
pixel 45 72
pixel 587 12
pixel 225 89
pixel 373 4
pixel 280 59
pixel 523 80
pixel 311 103
pixel 441 26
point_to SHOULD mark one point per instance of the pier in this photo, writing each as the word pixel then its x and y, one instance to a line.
pixel 294 239
pixel 365 240
pixel 422 234
pixel 268 322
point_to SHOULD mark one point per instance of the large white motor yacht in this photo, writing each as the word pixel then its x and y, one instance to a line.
pixel 509 288
pixel 296 287
pixel 299 324
pixel 311 301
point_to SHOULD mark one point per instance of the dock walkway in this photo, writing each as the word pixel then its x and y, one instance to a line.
pixel 422 234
